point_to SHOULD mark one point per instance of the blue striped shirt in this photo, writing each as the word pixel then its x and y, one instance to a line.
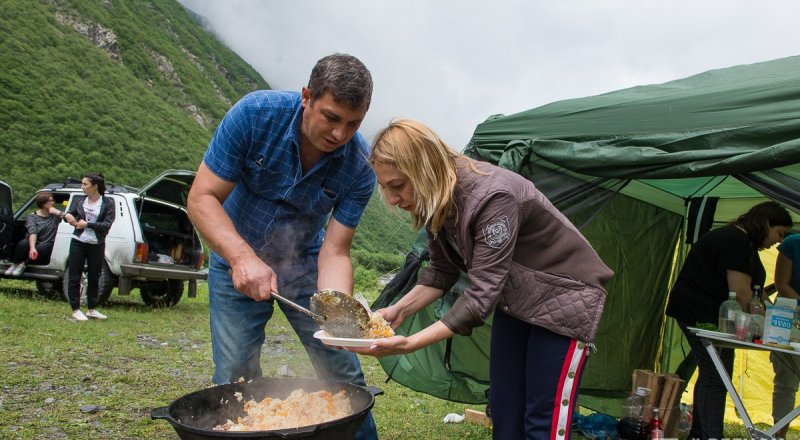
pixel 279 211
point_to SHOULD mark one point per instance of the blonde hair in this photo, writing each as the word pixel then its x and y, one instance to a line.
pixel 429 164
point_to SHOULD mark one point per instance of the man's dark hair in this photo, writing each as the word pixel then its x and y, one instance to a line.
pixel 345 77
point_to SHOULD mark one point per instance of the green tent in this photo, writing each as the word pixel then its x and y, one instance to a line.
pixel 642 172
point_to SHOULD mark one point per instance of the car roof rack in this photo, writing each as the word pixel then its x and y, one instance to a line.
pixel 73 183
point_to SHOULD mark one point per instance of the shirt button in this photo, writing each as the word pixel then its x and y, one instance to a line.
pixel 562 432
pixel 580 345
pixel 505 308
pixel 571 374
pixel 565 402
pixel 533 319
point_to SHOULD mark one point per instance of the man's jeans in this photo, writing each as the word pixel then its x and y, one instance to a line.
pixel 237 334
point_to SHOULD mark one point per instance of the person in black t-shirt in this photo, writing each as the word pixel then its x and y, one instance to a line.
pixel 722 260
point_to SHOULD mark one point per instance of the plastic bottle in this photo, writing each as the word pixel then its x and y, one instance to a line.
pixel 727 313
pixel 656 428
pixel 685 422
pixel 757 312
pixel 632 425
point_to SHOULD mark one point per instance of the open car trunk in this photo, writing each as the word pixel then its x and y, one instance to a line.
pixel 169 234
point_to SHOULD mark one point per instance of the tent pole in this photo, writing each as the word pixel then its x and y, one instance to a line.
pixel 669 329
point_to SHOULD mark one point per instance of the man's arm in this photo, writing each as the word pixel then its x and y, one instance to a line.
pixel 250 275
pixel 334 265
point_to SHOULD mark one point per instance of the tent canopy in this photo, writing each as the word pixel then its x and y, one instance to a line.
pixel 636 170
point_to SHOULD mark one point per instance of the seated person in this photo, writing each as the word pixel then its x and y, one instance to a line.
pixel 37 245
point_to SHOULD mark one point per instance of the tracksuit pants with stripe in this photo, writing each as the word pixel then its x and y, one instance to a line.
pixel 534 376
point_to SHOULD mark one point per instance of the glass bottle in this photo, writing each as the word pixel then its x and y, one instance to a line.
pixel 727 314
pixel 656 428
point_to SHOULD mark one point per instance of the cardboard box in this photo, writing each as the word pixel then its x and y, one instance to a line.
pixel 778 322
pixel 665 394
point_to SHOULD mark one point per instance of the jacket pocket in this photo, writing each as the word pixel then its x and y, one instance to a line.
pixel 558 303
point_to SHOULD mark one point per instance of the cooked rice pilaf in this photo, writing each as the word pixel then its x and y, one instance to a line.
pixel 378 328
pixel 301 408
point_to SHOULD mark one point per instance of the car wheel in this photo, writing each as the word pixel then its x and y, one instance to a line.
pixel 106 284
pixel 161 293
pixel 49 289
pixel 83 286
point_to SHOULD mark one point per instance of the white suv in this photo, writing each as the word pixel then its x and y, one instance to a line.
pixel 151 245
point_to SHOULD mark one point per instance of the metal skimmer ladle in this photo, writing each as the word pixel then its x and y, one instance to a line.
pixel 338 314
pixel 345 317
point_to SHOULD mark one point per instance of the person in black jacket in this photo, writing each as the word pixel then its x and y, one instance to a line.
pixel 92 216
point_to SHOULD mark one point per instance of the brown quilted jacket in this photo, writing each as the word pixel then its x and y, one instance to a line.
pixel 521 255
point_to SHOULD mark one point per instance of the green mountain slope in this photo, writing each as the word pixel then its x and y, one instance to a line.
pixel 126 87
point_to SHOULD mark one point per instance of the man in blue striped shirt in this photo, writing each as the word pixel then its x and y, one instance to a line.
pixel 281 188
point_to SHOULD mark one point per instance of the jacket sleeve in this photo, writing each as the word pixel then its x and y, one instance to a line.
pixel 440 274
pixel 107 217
pixel 494 227
pixel 73 208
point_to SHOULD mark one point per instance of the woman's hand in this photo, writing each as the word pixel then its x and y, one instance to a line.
pixel 384 347
pixel 400 344
pixel 80 224
pixel 393 315
pixel 33 254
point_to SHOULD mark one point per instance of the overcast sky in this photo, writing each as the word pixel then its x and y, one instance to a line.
pixel 453 63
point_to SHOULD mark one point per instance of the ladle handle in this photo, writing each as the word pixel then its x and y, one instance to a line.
pixel 299 308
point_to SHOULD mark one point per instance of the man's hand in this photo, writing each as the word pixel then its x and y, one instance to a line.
pixel 254 278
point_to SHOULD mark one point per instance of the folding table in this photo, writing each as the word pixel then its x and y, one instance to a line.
pixel 712 341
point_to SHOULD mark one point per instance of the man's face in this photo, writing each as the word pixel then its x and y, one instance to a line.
pixel 327 124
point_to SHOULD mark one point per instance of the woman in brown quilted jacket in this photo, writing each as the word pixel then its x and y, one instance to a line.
pixel 525 261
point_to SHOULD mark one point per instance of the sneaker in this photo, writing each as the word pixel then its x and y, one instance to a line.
pixel 10 270
pixel 79 316
pixel 95 314
pixel 18 270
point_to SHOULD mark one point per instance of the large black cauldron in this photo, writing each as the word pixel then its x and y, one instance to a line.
pixel 193 415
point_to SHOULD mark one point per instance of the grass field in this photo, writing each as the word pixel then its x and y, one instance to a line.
pixel 100 379
pixel 63 379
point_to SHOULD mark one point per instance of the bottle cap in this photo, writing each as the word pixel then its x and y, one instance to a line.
pixel 731 294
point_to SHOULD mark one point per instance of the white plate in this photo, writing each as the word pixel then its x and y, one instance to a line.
pixel 342 342
pixel 702 332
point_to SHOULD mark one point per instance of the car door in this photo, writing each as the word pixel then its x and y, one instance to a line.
pixel 171 186
pixel 6 221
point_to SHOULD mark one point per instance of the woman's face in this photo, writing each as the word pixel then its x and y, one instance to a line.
pixel 88 187
pixel 396 187
pixel 775 234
